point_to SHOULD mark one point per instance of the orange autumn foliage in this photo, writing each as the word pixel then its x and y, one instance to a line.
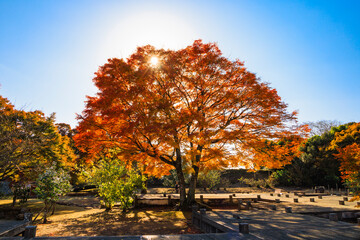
pixel 275 155
pixel 196 110
pixel 350 161
pixel 347 144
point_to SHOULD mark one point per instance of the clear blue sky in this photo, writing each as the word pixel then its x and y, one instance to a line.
pixel 308 50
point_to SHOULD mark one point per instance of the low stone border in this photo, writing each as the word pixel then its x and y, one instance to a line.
pixel 211 236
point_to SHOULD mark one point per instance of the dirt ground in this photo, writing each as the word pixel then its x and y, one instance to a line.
pixel 81 215
pixel 83 218
pixel 74 220
pixel 114 223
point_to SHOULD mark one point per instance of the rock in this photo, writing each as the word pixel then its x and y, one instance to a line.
pixel 288 209
pixel 20 216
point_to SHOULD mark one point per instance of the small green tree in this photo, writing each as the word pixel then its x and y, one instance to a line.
pixel 116 183
pixel 210 179
pixel 50 185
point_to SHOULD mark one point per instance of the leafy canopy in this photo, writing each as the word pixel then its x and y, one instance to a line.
pixel 195 110
pixel 317 163
pixel 196 101
pixel 29 141
pixel 347 145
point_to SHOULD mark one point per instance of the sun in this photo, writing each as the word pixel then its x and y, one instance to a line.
pixel 163 29
pixel 154 61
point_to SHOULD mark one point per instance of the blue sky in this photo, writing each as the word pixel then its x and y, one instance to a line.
pixel 308 50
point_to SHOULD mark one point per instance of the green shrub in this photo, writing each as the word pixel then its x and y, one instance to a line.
pixel 282 178
pixel 260 183
pixel 116 183
pixel 210 179
pixel 50 185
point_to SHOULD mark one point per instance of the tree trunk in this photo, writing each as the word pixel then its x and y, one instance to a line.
pixel 182 189
pixel 192 187
pixel 181 178
pixel 47 210
pixel 14 201
pixel 53 208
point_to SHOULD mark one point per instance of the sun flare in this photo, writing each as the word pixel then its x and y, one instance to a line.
pixel 156 28
pixel 154 61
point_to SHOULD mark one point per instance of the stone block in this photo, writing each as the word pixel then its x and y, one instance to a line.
pixel 30 232
pixel 169 200
pixel 288 209
pixel 248 205
pixel 244 228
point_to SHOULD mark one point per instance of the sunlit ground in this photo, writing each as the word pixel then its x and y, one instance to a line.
pixel 102 223
pixel 88 221
pixel 81 221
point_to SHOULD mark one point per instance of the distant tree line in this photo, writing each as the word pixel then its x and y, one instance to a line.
pixel 329 157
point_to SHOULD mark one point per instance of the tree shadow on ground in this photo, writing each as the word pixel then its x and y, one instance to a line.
pixel 116 222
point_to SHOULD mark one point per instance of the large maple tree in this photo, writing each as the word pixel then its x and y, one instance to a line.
pixel 195 110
